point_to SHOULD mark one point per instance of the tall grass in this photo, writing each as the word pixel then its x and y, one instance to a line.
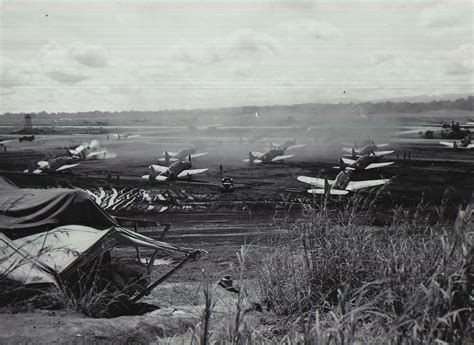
pixel 343 281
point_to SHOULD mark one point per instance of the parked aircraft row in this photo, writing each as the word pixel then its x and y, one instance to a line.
pixel 364 157
pixel 85 151
pixel 465 143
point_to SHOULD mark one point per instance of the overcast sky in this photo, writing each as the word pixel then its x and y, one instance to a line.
pixel 64 55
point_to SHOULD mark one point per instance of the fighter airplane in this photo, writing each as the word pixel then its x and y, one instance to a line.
pixel 366 162
pixel 2 144
pixel 465 143
pixel 125 136
pixel 181 155
pixel 275 153
pixel 177 170
pixel 342 185
pixel 87 151
pixel 286 145
pixel 366 148
pixel 58 164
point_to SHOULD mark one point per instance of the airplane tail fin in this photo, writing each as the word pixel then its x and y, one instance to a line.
pixel 167 157
pixel 327 187
pixel 153 174
pixel 251 158
pixel 342 165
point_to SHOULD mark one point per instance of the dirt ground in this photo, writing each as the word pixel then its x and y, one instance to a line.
pixel 261 210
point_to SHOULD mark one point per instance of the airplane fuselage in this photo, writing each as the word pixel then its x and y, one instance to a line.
pixel 365 161
pixel 184 153
pixel 267 156
pixel 173 170
pixel 58 162
pixel 365 150
pixel 284 145
pixel 341 181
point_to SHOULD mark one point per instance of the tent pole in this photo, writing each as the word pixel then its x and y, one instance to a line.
pixel 163 278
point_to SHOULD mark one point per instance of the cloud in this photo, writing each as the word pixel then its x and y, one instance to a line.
pixel 15 74
pixel 67 78
pixel 381 57
pixel 448 15
pixel 243 70
pixel 73 63
pixel 244 45
pixel 249 41
pixel 316 29
pixel 461 61
pixel 92 56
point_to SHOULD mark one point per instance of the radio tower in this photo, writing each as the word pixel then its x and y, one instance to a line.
pixel 28 129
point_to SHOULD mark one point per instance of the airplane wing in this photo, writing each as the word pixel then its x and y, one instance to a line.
pixel 447 143
pixel 171 159
pixel 315 181
pixel 66 166
pixel 157 178
pixel 158 168
pixel 256 154
pixel 382 145
pixel 42 164
pixel 348 149
pixel 348 161
pixel 280 158
pixel 185 173
pixel 96 153
pixel 354 185
pixel 255 161
pixel 378 165
pixel 332 191
pixel 195 155
pixel 171 153
pixel 383 153
pixel 295 146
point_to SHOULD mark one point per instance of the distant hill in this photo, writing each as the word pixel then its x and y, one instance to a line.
pixel 246 115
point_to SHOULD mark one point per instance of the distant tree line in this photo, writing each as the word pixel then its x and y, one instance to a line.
pixel 284 111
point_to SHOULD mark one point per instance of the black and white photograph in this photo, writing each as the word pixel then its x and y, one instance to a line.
pixel 236 172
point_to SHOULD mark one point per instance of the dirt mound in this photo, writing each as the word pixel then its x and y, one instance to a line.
pixel 47 327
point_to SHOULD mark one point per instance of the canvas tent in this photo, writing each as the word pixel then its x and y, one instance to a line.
pixel 24 212
pixel 48 236
pixel 54 256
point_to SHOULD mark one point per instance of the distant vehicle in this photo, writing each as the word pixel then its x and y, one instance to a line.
pixel 26 138
pixel 366 162
pixel 227 185
pixel 254 139
pixel 465 143
pixel 342 185
pixel 177 170
pixel 88 151
pixel 2 144
pixel 58 164
pixel 367 148
pixel 181 155
pixel 455 126
pixel 125 136
pixel 276 153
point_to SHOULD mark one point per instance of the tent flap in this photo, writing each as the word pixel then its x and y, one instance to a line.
pixel 24 212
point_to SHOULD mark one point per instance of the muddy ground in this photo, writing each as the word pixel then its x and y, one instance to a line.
pixel 260 211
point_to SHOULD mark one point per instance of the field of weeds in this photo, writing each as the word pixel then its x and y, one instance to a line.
pixel 337 280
